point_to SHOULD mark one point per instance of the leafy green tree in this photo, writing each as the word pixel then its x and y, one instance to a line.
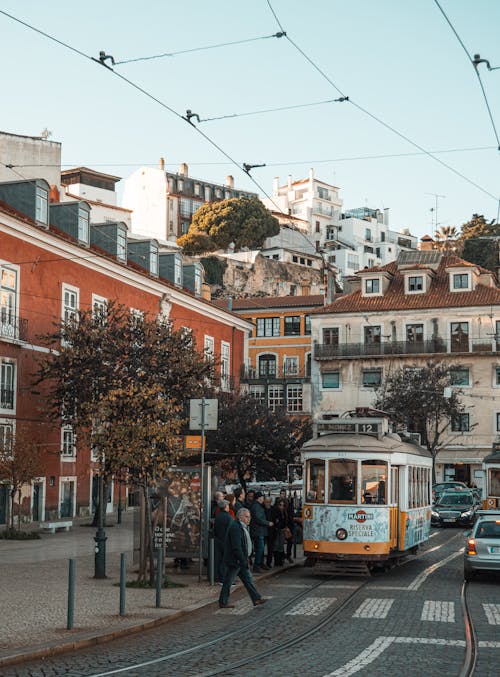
pixel 415 397
pixel 196 243
pixel 478 248
pixel 255 440
pixel 243 221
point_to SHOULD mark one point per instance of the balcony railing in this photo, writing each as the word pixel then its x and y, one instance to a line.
pixel 6 398
pixel 280 373
pixel 434 346
pixel 13 328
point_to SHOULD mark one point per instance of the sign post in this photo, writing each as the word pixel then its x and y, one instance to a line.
pixel 202 416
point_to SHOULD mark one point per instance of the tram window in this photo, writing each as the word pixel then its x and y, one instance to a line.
pixel 316 481
pixel 342 481
pixel 494 488
pixel 374 482
pixel 394 485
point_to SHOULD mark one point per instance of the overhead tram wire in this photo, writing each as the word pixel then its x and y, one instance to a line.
pixel 476 70
pixel 199 49
pixel 375 117
pixel 272 110
pixel 148 95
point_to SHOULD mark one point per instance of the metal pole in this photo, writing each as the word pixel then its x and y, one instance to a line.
pixel 211 561
pixel 100 537
pixel 202 487
pixel 119 520
pixel 164 537
pixel 159 578
pixel 71 595
pixel 123 581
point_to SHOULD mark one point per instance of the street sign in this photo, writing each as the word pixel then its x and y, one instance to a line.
pixel 192 442
pixel 195 413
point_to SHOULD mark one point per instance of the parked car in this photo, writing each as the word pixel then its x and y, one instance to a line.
pixel 454 507
pixel 440 487
pixel 482 551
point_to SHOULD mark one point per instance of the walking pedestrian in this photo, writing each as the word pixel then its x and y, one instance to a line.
pixel 221 524
pixel 237 551
pixel 268 540
pixel 259 529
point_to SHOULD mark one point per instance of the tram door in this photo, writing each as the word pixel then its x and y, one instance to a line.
pixel 395 501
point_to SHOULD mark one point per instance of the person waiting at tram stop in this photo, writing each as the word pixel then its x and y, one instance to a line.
pixel 239 494
pixel 259 530
pixel 221 525
pixel 237 551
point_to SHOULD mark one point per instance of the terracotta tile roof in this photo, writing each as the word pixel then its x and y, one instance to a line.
pixel 438 296
pixel 264 302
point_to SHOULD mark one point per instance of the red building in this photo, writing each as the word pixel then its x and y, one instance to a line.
pixel 53 262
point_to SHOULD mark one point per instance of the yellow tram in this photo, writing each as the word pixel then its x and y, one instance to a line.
pixel 367 498
pixel 491 467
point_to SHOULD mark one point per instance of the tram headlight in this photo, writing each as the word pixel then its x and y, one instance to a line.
pixel 341 534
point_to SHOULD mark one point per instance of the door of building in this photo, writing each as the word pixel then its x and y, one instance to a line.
pixel 37 511
pixel 67 496
pixel 4 499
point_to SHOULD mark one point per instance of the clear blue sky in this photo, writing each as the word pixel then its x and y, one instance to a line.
pixel 399 60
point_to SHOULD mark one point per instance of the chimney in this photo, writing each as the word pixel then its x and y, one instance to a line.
pixel 386 216
pixel 311 174
pixel 289 182
pixel 162 164
pixel 276 186
pixel 230 181
pixel 183 169
pixel 229 302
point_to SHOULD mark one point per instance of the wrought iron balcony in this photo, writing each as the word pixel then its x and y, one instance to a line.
pixel 433 346
pixel 269 374
pixel 12 327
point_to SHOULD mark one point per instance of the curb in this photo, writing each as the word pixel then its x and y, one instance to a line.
pixel 90 639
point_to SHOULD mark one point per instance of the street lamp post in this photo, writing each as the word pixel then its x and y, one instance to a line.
pixel 100 537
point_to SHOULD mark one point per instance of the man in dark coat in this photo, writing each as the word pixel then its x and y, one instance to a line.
pixel 239 494
pixel 260 527
pixel 237 550
pixel 221 525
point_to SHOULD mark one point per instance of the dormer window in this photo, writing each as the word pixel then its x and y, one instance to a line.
pixel 153 260
pixel 42 202
pixel 460 281
pixel 372 286
pixel 83 226
pixel 416 283
pixel 121 245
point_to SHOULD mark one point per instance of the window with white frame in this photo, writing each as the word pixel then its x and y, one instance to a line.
pixel 258 392
pixel 276 397
pixel 153 260
pixel 331 336
pixel 121 244
pixel 371 378
pixel 70 304
pixel 225 365
pixel 459 376
pixel 209 347
pixel 83 226
pixel 496 376
pixel 7 384
pixel 291 366
pixel 41 205
pixel 497 421
pixel 7 428
pixel 268 326
pixel 294 401
pixel 99 307
pixel 415 283
pixel 177 271
pixel 372 286
pixel 415 333
pixel 8 300
pixel 330 380
pixel 68 448
pixel 460 423
pixel 460 281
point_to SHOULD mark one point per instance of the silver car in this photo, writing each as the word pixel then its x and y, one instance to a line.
pixel 482 551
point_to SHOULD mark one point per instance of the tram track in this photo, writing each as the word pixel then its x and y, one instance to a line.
pixel 471 642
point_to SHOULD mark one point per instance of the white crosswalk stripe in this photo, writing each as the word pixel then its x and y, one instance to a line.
pixel 492 612
pixel 311 606
pixel 373 608
pixel 443 612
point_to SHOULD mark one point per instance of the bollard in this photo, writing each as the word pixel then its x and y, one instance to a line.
pixel 71 595
pixel 123 581
pixel 159 581
pixel 211 561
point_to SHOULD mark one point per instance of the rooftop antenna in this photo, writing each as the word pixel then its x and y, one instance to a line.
pixel 45 134
pixel 437 197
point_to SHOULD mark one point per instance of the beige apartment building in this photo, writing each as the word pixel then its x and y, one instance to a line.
pixel 424 305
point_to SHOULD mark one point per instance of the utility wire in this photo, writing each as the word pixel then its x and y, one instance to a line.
pixel 153 98
pixel 272 110
pixel 199 49
pixel 476 70
pixel 374 117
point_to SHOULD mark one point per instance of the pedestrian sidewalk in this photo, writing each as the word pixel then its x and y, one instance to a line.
pixel 34 592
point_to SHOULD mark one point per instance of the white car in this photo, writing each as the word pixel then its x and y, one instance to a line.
pixel 482 551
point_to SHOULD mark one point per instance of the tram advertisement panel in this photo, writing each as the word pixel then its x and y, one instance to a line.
pixel 362 524
pixel 418 526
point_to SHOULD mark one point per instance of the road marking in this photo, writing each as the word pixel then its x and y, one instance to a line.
pixel 326 586
pixel 435 533
pixel 311 606
pixel 443 612
pixel 492 612
pixel 373 608
pixel 376 648
pixel 489 645
pixel 415 585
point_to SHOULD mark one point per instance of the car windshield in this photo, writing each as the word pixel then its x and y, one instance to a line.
pixel 488 529
pixel 448 485
pixel 456 499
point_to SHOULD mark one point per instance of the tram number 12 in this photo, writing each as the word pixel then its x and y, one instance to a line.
pixel 368 427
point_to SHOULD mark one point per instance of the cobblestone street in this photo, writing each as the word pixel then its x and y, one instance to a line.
pixel 407 621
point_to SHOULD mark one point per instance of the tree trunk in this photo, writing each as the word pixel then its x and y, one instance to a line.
pixel 12 497
pixel 150 536
pixel 19 509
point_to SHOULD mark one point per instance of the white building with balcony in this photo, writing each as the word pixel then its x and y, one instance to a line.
pixel 425 305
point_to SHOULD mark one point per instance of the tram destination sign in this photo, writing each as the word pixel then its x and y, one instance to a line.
pixel 350 427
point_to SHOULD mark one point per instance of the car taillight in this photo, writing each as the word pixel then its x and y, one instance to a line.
pixel 471 547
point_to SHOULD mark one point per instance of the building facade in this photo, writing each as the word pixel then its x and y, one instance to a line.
pixel 53 262
pixel 423 306
pixel 163 203
pixel 278 368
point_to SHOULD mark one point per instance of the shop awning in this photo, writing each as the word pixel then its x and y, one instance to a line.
pixel 462 455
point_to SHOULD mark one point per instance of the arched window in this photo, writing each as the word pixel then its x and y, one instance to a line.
pixel 267 365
